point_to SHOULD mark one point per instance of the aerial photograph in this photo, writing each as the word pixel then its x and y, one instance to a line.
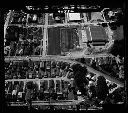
pixel 67 57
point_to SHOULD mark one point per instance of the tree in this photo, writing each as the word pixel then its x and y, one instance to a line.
pixel 29 85
pixel 118 95
pixel 118 48
pixel 79 77
pixel 102 88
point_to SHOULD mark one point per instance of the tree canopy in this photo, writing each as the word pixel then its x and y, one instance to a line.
pixel 118 48
pixel 79 77
pixel 102 88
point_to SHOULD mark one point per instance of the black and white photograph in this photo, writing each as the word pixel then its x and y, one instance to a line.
pixel 64 57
